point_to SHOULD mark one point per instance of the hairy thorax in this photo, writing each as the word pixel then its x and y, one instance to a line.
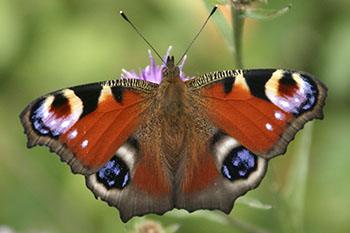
pixel 174 110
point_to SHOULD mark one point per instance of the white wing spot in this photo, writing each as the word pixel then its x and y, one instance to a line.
pixel 45 114
pixel 268 126
pixel 65 124
pixel 279 115
pixel 284 103
pixel 73 134
pixel 84 143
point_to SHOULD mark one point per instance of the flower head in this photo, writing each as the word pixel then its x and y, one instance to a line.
pixel 153 73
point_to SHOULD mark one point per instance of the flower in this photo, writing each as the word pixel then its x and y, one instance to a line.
pixel 153 73
pixel 246 3
pixel 149 226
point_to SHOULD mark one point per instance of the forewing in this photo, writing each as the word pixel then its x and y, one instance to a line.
pixel 262 109
pixel 85 125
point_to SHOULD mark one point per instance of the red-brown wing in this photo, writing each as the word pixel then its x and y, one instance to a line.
pixel 93 128
pixel 86 124
pixel 222 173
pixel 255 114
pixel 133 182
pixel 262 109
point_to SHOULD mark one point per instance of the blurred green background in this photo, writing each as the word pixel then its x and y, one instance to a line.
pixel 49 45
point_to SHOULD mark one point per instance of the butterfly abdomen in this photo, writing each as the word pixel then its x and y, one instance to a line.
pixel 176 127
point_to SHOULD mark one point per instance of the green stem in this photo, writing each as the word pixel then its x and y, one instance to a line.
pixel 297 183
pixel 237 24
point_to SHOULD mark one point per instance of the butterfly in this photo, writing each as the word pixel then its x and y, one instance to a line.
pixel 170 141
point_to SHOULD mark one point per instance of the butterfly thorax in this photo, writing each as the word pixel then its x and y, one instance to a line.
pixel 172 93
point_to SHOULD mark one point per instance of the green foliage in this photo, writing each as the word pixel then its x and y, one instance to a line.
pixel 259 14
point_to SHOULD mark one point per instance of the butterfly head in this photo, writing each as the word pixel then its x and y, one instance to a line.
pixel 171 70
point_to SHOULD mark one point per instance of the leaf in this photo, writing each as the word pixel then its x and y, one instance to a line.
pixel 260 14
pixel 254 203
pixel 222 25
pixel 219 218
pixel 172 228
pixel 210 215
pixel 220 2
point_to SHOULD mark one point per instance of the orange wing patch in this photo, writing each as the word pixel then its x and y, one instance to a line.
pixel 257 123
pixel 96 137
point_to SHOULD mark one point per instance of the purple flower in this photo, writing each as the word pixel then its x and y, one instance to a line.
pixel 153 73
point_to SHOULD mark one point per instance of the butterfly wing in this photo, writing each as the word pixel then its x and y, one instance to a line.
pixel 85 125
pixel 133 182
pixel 96 128
pixel 263 109
pixel 255 114
pixel 227 170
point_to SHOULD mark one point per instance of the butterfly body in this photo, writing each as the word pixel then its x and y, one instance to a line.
pixel 195 144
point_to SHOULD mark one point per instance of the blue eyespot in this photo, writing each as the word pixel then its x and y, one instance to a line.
pixel 239 163
pixel 115 174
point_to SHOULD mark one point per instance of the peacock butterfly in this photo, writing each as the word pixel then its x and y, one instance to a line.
pixel 160 140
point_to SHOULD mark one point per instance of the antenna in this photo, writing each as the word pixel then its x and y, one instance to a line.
pixel 205 23
pixel 138 32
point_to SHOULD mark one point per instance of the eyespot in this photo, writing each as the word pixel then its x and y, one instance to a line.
pixel 239 163
pixel 115 174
